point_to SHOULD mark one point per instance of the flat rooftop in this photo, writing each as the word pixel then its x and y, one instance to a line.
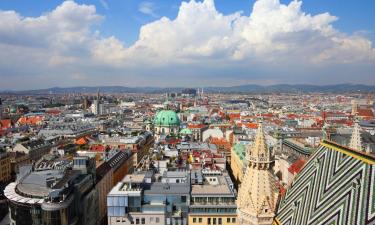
pixel 221 188
pixel 35 183
pixel 134 178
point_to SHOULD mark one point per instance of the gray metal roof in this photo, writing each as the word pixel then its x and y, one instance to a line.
pixel 35 183
pixel 168 189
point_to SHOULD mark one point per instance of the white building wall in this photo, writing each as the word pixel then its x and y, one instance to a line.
pixel 215 132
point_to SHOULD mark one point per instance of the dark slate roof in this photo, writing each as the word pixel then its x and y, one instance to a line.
pixel 102 170
pixel 118 159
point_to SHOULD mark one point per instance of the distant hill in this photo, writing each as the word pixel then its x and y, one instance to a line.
pixel 250 88
pixel 338 88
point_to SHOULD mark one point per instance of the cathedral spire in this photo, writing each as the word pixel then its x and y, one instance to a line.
pixel 260 153
pixel 257 195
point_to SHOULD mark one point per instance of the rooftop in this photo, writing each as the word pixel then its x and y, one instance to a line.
pixel 214 185
pixel 158 188
pixel 35 183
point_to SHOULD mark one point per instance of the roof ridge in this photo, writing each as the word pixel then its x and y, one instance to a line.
pixel 361 155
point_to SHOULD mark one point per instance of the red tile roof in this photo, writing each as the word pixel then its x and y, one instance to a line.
pixel 292 116
pixel 81 141
pixel 53 112
pixel 282 189
pixel 97 148
pixel 251 125
pixel 296 167
pixel 196 126
pixel 365 113
pixel 173 141
pixel 221 142
pixel 5 124
pixel 234 116
pixel 30 120
pixel 266 115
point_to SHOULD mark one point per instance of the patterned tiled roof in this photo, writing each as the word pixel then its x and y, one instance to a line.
pixel 336 186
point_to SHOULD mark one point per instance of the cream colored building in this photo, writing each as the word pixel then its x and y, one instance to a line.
pixel 355 139
pixel 213 200
pixel 258 193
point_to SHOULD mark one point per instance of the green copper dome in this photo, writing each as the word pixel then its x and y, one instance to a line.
pixel 166 118
pixel 186 131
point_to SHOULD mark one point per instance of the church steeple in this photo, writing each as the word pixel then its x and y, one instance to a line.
pixel 257 195
pixel 355 140
pixel 260 156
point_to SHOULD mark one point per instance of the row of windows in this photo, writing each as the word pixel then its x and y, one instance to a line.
pixel 213 210
pixel 214 221
pixel 152 220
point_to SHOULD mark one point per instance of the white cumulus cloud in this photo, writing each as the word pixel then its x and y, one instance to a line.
pixel 275 41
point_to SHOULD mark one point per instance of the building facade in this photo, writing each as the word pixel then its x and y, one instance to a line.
pixel 213 198
pixel 54 197
pixel 141 199
pixel 17 160
pixel 35 148
pixel 5 169
pixel 104 179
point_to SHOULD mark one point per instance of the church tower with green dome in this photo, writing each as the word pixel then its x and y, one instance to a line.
pixel 166 122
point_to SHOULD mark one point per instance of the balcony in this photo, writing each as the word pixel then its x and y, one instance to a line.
pixel 213 203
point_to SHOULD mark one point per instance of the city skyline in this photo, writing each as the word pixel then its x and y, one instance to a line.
pixel 188 157
pixel 187 112
pixel 184 43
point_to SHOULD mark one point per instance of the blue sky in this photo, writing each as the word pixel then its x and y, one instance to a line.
pixel 123 18
pixel 88 42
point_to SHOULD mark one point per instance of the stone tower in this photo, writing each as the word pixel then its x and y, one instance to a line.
pixel 356 140
pixel 258 193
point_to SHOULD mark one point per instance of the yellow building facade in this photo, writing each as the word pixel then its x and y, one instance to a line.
pixel 203 219
pixel 238 157
pixel 213 199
